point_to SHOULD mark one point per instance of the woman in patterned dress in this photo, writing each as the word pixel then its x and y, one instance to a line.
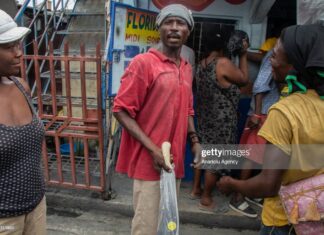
pixel 217 96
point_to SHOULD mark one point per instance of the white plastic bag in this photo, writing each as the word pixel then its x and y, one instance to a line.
pixel 168 223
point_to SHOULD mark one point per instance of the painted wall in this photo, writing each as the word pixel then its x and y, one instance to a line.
pixel 223 10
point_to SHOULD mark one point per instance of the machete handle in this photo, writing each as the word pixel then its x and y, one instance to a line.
pixel 166 147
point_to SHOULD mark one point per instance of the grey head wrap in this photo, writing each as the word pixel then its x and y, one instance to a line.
pixel 176 10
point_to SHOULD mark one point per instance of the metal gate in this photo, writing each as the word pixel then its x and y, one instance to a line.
pixel 71 110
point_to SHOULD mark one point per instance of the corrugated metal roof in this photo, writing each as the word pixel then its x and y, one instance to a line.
pixel 87 25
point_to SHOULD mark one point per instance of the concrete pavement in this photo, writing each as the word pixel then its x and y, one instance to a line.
pixel 65 221
pixel 122 204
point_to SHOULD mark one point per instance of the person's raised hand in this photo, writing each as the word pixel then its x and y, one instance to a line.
pixel 245 46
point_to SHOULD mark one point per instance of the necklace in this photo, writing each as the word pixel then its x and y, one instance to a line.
pixel 6 81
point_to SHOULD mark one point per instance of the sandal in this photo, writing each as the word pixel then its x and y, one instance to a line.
pixel 244 208
pixel 213 208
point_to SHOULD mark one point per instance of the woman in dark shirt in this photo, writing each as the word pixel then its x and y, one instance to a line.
pixel 22 201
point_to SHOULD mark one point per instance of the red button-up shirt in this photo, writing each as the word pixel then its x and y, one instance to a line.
pixel 158 95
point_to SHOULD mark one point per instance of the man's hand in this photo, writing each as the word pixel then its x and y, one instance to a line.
pixel 196 151
pixel 224 185
pixel 158 161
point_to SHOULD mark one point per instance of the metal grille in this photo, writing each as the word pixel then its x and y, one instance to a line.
pixel 73 152
pixel 202 30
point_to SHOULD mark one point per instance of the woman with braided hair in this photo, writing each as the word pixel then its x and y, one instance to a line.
pixel 293 127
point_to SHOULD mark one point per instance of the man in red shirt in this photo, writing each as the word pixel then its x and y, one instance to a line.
pixel 154 104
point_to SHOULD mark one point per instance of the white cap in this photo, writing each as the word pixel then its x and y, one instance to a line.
pixel 9 30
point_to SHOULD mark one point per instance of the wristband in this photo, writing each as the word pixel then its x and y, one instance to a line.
pixel 192 132
pixel 257 116
pixel 193 136
pixel 194 142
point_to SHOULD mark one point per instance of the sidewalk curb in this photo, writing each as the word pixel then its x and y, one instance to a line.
pixel 87 203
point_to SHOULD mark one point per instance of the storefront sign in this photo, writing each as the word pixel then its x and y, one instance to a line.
pixel 133 31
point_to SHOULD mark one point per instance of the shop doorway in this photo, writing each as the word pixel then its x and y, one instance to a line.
pixel 204 27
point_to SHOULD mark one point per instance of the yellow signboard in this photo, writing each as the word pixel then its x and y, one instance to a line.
pixel 140 28
pixel 132 32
